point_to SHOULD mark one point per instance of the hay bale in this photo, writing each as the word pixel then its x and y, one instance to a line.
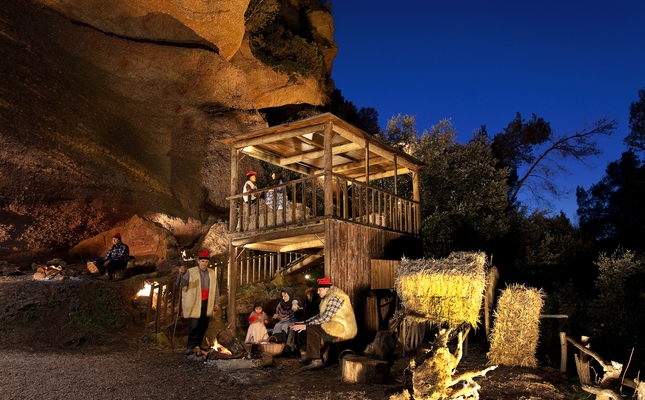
pixel 515 335
pixel 448 290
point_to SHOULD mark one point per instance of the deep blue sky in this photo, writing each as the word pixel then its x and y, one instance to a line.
pixel 480 62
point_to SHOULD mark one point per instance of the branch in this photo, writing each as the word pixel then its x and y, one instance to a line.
pixel 610 367
pixel 576 146
pixel 468 376
pixel 606 393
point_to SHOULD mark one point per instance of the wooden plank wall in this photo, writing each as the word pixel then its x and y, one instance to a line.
pixel 350 249
pixel 383 272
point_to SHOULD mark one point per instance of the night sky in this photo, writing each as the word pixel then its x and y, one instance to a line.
pixel 479 63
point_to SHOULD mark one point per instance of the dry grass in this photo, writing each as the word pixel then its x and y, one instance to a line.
pixel 445 290
pixel 516 331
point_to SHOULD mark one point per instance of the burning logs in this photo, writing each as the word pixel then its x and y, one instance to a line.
pixel 55 269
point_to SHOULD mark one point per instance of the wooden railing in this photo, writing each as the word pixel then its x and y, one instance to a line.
pixel 263 267
pixel 304 200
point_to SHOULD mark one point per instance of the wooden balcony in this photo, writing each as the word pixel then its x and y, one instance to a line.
pixel 303 203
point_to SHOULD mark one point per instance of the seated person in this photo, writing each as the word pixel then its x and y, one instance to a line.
pixel 117 257
pixel 310 308
pixel 334 323
pixel 257 332
pixel 285 315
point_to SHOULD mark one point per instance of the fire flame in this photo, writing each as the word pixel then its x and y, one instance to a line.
pixel 145 291
pixel 219 348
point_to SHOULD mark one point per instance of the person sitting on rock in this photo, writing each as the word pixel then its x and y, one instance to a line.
pixel 116 259
pixel 336 322
pixel 284 313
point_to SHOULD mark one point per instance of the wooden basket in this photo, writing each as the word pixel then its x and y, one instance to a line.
pixel 273 349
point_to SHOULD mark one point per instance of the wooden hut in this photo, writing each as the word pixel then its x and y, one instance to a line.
pixel 335 215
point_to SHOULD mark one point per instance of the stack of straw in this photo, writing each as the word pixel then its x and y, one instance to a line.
pixel 515 335
pixel 443 291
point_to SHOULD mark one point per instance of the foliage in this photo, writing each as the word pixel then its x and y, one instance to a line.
pixel 534 154
pixel 365 118
pixel 620 306
pixel 463 195
pixel 612 211
pixel 283 49
pixel 636 138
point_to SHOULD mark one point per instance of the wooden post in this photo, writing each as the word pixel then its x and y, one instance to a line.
pixel 329 199
pixel 232 285
pixel 233 204
pixel 563 352
pixel 582 363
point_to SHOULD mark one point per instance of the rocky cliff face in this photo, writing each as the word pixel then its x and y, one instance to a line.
pixel 110 108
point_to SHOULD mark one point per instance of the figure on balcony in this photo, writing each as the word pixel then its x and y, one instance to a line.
pixel 277 195
pixel 250 186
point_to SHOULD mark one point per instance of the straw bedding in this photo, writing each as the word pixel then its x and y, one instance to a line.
pixel 514 337
pixel 443 291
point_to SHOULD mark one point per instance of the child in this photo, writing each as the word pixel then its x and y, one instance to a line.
pixel 257 332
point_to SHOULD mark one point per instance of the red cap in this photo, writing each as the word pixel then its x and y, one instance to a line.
pixel 117 235
pixel 324 282
pixel 204 255
pixel 251 173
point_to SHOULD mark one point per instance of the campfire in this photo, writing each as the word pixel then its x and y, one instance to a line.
pixel 54 270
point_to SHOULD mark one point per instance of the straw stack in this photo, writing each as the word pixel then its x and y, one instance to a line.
pixel 445 290
pixel 515 335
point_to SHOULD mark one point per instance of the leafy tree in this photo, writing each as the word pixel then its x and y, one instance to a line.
pixel 463 195
pixel 534 154
pixel 612 211
pixel 365 118
pixel 619 310
pixel 636 138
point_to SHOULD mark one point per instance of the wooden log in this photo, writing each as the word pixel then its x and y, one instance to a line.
pixel 359 369
pixel 563 352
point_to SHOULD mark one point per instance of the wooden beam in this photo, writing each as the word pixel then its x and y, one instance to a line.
pixel 253 152
pixel 232 285
pixel 316 243
pixel 344 148
pixel 275 248
pixel 305 230
pixel 388 174
pixel 276 134
pixel 305 264
pixel 375 147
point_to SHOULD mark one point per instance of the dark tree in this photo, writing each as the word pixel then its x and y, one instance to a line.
pixel 636 138
pixel 534 154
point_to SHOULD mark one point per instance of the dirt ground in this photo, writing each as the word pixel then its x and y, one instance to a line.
pixel 49 361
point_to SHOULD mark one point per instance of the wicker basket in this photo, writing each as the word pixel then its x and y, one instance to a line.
pixel 273 349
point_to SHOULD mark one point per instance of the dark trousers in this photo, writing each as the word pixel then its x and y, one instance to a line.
pixel 198 327
pixel 113 265
pixel 315 336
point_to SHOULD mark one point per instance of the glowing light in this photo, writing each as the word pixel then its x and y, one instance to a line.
pixel 145 291
pixel 219 348
pixel 307 276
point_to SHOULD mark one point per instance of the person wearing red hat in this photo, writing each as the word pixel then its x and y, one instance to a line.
pixel 336 322
pixel 199 297
pixel 117 258
pixel 249 186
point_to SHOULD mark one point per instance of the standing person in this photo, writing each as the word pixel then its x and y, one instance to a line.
pixel 200 297
pixel 284 313
pixel 249 186
pixel 257 332
pixel 276 179
pixel 335 322
pixel 117 257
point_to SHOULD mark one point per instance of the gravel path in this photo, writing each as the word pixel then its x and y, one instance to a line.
pixel 164 375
